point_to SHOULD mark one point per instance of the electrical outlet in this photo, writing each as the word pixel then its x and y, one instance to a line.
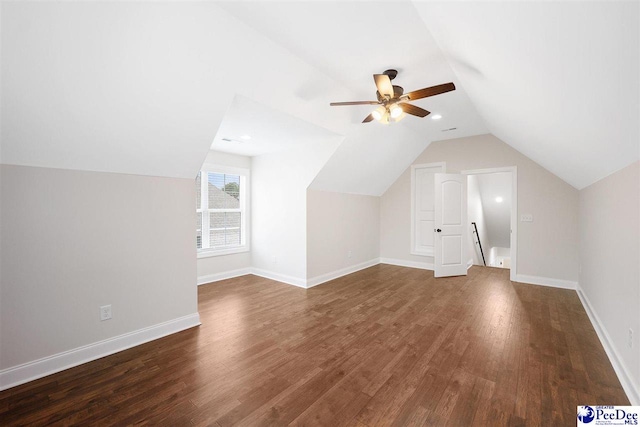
pixel 526 218
pixel 105 312
pixel 349 254
pixel 630 340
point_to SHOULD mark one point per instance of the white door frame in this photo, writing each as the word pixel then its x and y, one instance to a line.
pixel 514 211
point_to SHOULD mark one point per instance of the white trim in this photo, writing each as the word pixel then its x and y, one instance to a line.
pixel 513 274
pixel 422 253
pixel 469 263
pixel 244 209
pixel 405 263
pixel 289 280
pixel 30 371
pixel 546 281
pixel 626 380
pixel 443 169
pixel 209 278
pixel 207 253
pixel 315 281
pixel 230 170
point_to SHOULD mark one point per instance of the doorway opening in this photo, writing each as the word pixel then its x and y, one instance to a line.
pixel 491 216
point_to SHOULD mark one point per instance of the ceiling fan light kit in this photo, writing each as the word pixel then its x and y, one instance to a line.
pixel 378 113
pixel 395 111
pixel 392 101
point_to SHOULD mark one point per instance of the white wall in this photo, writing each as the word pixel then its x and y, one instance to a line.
pixel 212 268
pixel 497 256
pixel 279 184
pixel 497 215
pixel 343 231
pixel 609 253
pixel 547 247
pixel 227 159
pixel 73 241
pixel 475 213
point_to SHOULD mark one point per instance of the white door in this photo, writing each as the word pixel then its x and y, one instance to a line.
pixel 450 225
pixel 423 210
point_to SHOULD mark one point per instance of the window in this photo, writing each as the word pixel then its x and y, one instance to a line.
pixel 220 211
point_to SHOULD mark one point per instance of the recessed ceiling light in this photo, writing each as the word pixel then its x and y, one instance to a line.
pixel 245 137
pixel 436 117
pixel 499 199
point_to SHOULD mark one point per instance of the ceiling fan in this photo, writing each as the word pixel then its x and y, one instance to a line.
pixel 392 99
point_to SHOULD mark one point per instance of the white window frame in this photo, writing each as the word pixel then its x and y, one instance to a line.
pixel 244 210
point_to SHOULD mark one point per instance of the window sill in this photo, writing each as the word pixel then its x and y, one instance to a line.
pixel 207 253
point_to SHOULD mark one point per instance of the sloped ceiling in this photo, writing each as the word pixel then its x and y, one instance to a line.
pixel 142 87
pixel 558 81
pixel 252 129
pixel 139 88
pixel 348 42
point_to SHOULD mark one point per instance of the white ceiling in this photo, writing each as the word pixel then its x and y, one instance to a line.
pixel 558 81
pixel 269 130
pixel 344 40
pixel 144 87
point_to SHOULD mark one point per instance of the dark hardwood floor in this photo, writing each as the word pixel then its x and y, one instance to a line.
pixel 384 346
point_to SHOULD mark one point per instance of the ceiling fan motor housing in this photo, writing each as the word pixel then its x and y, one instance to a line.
pixel 391 73
pixel 397 93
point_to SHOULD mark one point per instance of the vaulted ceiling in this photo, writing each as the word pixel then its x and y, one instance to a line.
pixel 143 87
pixel 558 81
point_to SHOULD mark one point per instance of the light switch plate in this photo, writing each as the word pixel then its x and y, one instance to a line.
pixel 526 218
pixel 105 312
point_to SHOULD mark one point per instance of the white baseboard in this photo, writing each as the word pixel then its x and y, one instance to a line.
pixel 626 380
pixel 315 281
pixel 405 263
pixel 290 280
pixel 223 276
pixel 470 263
pixel 546 281
pixel 30 371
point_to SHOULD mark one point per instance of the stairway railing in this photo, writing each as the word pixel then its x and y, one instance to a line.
pixel 475 227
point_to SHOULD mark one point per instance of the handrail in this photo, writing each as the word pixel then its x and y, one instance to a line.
pixel 479 243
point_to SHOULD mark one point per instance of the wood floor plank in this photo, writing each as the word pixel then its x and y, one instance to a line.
pixel 387 345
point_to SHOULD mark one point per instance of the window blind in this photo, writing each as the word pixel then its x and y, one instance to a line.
pixel 219 210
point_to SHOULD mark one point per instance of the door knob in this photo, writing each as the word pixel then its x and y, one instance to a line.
pixel 438 230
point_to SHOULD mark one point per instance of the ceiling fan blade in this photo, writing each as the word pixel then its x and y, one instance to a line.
pixel 430 91
pixel 413 110
pixel 368 118
pixel 337 104
pixel 383 83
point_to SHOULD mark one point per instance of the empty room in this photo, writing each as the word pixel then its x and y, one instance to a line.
pixel 366 213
